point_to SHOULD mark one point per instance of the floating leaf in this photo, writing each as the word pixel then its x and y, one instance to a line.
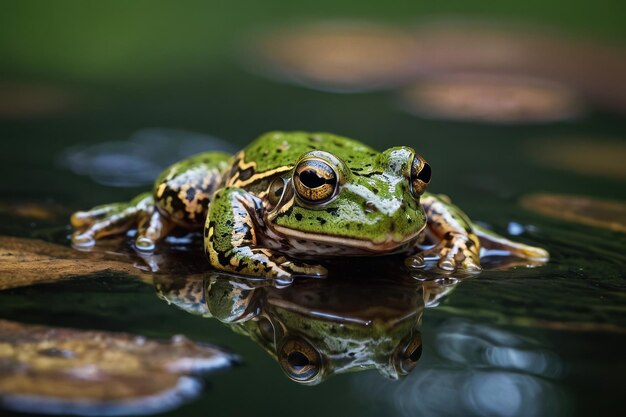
pixel 579 209
pixel 57 370
pixel 353 56
pixel 19 101
pixel 589 156
pixel 494 99
pixel 29 261
pixel 337 56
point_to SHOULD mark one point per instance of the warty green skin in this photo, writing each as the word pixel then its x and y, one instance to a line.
pixel 373 211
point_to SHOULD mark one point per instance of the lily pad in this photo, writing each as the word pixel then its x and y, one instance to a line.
pixel 579 209
pixel 58 370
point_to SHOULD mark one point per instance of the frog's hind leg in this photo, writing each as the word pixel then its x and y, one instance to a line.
pixel 116 218
pixel 458 241
pixel 503 246
pixel 456 246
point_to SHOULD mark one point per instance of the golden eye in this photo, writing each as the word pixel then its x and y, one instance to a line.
pixel 420 175
pixel 299 359
pixel 275 191
pixel 315 181
pixel 408 354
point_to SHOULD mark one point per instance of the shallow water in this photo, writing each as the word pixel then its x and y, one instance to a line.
pixel 545 341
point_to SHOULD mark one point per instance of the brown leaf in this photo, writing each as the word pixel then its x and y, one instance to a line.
pixel 57 370
pixel 579 209
pixel 28 261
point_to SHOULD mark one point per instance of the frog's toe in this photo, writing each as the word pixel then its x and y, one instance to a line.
pixel 447 264
pixel 470 265
pixel 152 227
pixel 84 219
pixel 83 240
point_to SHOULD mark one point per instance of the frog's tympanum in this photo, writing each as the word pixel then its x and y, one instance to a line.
pixel 317 328
pixel 291 198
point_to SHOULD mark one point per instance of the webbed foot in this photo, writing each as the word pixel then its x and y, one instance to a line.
pixel 117 218
pixel 455 252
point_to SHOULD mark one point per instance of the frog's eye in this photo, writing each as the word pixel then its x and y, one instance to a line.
pixel 420 175
pixel 315 181
pixel 300 360
pixel 408 353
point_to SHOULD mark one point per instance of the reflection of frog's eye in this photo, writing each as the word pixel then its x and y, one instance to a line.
pixel 300 360
pixel 420 175
pixel 315 181
pixel 275 191
pixel 408 354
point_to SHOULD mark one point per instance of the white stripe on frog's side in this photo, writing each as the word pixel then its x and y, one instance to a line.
pixel 307 245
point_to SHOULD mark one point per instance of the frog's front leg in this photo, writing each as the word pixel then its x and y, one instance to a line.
pixel 181 197
pixel 116 218
pixel 233 236
pixel 456 247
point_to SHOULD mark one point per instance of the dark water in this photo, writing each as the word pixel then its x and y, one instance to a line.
pixel 547 341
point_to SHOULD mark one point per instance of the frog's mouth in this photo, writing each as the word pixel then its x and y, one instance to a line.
pixel 329 245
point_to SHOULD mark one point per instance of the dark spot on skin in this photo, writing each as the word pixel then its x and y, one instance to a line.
pixel 246 174
pixel 223 258
pixel 409 220
pixel 332 210
pixel 322 221
pixel 298 216
pixel 375 190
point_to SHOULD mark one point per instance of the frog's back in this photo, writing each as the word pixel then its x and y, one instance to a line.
pixel 283 149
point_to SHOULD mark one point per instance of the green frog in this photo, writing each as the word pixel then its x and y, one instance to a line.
pixel 291 199
pixel 318 328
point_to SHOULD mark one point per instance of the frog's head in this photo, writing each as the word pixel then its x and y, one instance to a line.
pixel 369 203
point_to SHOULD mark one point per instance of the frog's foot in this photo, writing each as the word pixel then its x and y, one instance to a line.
pixel 233 226
pixel 455 252
pixel 117 218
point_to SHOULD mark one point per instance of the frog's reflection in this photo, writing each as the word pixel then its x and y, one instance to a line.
pixel 318 327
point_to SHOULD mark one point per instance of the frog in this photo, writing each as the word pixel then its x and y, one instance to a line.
pixel 315 329
pixel 289 201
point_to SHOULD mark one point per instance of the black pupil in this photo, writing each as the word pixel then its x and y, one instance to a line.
pixel 415 355
pixel 424 174
pixel 297 360
pixel 310 179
